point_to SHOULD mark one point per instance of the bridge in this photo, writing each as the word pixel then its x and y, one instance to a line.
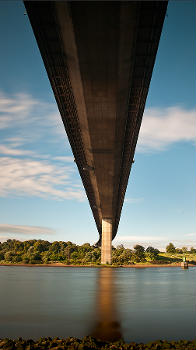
pixel 99 58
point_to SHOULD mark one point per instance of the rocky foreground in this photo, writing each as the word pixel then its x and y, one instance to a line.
pixel 88 343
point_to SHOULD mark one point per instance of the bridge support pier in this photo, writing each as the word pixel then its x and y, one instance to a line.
pixel 106 243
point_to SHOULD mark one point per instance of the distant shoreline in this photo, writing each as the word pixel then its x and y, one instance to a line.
pixel 98 266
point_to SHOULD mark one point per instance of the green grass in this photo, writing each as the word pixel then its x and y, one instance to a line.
pixel 176 258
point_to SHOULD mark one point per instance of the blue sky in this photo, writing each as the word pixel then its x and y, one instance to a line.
pixel 41 194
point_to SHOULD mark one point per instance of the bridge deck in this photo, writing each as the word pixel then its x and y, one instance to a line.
pixel 99 57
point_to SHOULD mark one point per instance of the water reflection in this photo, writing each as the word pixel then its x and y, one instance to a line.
pixel 75 302
pixel 107 323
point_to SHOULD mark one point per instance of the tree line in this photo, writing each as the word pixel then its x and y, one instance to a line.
pixel 170 248
pixel 43 252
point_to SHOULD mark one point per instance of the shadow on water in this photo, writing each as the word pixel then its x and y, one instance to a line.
pixel 107 325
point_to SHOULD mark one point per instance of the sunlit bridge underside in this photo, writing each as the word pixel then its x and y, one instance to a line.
pixel 99 57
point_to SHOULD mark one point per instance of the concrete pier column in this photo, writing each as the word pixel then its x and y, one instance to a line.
pixel 106 244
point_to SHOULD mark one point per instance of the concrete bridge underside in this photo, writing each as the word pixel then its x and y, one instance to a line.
pixel 99 57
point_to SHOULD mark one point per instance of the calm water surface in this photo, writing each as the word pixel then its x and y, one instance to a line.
pixel 137 304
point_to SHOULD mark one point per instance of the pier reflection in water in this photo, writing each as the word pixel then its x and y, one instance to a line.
pixel 107 323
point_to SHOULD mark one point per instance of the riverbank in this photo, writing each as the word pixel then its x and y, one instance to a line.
pixel 137 266
pixel 88 343
pixel 60 253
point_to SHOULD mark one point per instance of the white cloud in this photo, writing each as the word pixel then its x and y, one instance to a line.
pixel 15 141
pixel 191 235
pixel 159 242
pixel 45 175
pixel 160 127
pixel 19 104
pixel 29 177
pixel 65 159
pixel 27 230
pixel 163 127
pixel 15 152
pixel 26 122
pixel 21 110
pixel 139 238
pixel 15 109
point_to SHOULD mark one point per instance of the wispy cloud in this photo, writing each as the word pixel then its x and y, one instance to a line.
pixel 139 238
pixel 163 127
pixel 191 235
pixel 5 150
pixel 23 111
pixel 31 165
pixel 25 230
pixel 11 149
pixel 27 171
pixel 159 242
pixel 15 109
pixel 15 141
pixel 27 177
pixel 65 159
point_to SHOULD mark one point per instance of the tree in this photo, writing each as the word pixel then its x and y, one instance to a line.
pixel 120 247
pixel 125 257
pixel 88 257
pixel 25 258
pixel 96 255
pixel 9 244
pixel 86 247
pixel 41 246
pixel 17 246
pixel 67 252
pixel 170 248
pixel 8 256
pixel 152 254
pixel 184 249
pixel 28 244
pixel 16 258
pixel 45 257
pixel 192 250
pixel 138 253
pixel 35 258
pixel 30 250
pixel 55 247
pixel 178 251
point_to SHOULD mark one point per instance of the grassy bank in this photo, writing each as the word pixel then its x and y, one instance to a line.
pixel 88 343
pixel 174 258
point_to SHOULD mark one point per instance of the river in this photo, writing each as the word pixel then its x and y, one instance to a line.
pixel 137 304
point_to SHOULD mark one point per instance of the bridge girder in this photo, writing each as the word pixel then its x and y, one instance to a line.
pixel 99 57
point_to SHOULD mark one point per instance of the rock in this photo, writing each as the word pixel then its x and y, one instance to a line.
pixel 7 344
